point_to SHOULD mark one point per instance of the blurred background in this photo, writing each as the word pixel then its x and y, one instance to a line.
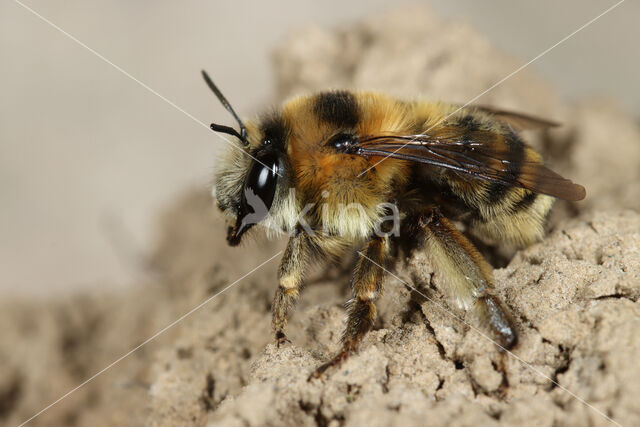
pixel 88 157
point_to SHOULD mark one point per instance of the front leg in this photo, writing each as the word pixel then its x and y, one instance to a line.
pixel 290 277
pixel 361 310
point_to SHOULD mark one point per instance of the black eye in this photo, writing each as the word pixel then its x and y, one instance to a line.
pixel 261 181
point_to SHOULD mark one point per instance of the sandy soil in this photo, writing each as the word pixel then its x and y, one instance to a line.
pixel 574 295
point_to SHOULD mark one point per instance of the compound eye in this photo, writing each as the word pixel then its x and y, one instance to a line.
pixel 261 181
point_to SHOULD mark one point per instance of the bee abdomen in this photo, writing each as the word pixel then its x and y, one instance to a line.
pixel 525 202
pixel 516 216
pixel 522 220
pixel 515 157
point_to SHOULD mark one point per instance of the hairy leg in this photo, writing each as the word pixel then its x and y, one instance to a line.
pixel 290 277
pixel 361 310
pixel 466 273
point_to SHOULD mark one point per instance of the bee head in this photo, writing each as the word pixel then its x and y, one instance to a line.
pixel 246 188
pixel 248 178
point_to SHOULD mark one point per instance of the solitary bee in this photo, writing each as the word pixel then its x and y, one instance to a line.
pixel 299 166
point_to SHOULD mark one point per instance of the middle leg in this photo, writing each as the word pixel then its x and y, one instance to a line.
pixel 361 310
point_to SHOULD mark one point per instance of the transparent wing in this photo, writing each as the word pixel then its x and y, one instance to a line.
pixel 518 121
pixel 481 154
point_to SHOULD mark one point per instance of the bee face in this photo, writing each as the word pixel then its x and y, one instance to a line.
pixel 252 182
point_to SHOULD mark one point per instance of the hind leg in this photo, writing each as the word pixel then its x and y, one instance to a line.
pixel 466 273
pixel 361 310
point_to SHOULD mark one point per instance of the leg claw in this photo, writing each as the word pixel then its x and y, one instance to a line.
pixel 336 361
pixel 281 339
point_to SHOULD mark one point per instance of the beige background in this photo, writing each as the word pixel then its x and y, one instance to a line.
pixel 88 157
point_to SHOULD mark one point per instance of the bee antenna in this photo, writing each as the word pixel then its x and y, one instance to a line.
pixel 221 128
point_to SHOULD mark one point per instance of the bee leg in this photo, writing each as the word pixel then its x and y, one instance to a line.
pixel 290 277
pixel 468 275
pixel 361 310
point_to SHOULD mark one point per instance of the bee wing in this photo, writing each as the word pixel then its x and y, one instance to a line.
pixel 484 156
pixel 518 121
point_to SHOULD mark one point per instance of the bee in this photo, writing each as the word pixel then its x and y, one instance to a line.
pixel 435 164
